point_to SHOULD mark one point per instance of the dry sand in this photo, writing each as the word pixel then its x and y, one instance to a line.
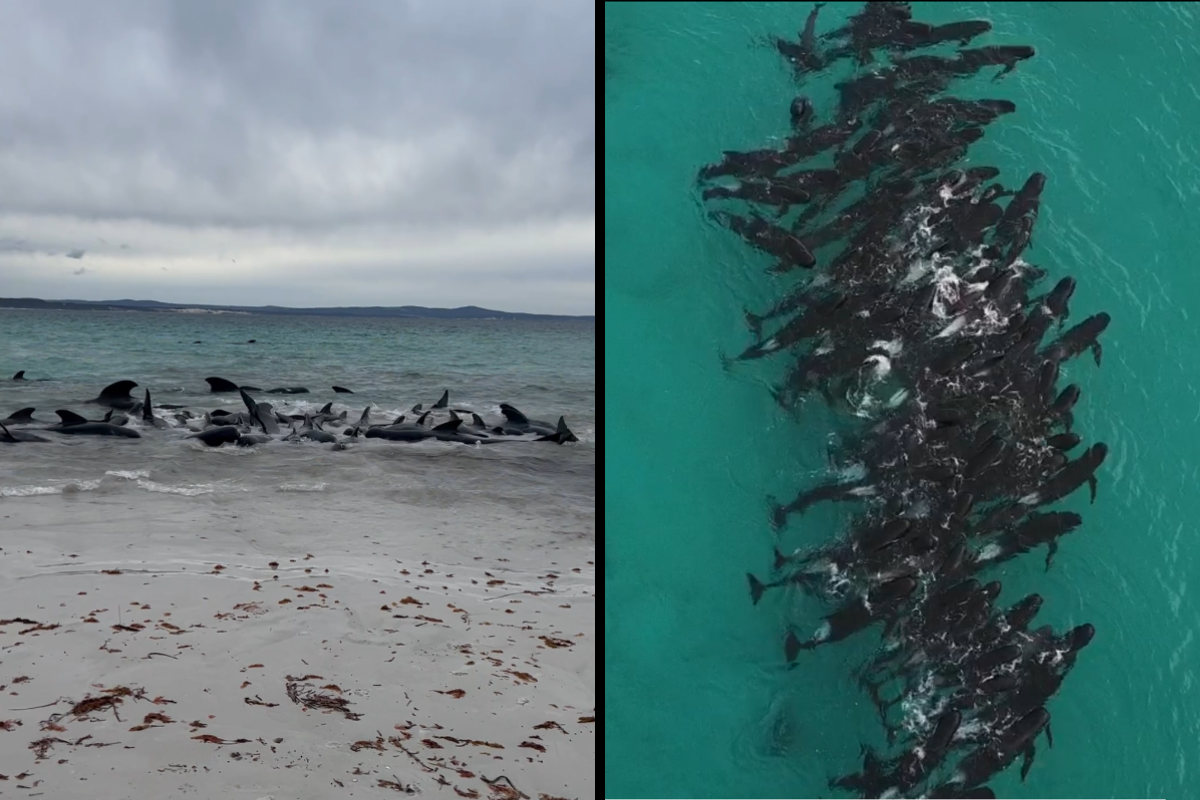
pixel 200 648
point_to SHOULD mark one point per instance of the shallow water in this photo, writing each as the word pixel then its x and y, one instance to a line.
pixel 699 703
pixel 546 369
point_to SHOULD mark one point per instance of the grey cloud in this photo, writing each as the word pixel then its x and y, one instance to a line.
pixel 11 244
pixel 304 112
pixel 278 126
pixel 80 271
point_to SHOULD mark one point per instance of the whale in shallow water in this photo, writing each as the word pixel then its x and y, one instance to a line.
pixel 312 432
pixel 985 762
pixel 22 416
pixel 76 425
pixel 406 432
pixel 261 414
pixel 13 437
pixel 215 437
pixel 801 111
pixel 364 422
pixel 561 435
pixel 451 432
pixel 222 385
pixel 518 423
pixel 20 376
pixel 326 415
pixel 1079 338
pixel 853 616
pixel 251 439
pixel 1069 478
pixel 66 418
pixel 116 395
pixel 477 426
pixel 148 414
pixel 113 418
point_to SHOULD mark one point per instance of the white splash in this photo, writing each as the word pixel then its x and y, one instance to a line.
pixel 129 475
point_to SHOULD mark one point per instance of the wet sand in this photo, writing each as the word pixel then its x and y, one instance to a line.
pixel 185 647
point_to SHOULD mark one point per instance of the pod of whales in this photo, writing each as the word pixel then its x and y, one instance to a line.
pixel 260 423
pixel 907 304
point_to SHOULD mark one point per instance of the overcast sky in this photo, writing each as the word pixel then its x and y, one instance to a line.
pixel 300 152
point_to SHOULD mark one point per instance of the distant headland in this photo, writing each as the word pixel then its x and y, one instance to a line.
pixel 421 312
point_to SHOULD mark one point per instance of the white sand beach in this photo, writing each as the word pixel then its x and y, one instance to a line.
pixel 200 647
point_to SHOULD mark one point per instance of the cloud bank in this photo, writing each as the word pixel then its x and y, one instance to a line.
pixel 300 152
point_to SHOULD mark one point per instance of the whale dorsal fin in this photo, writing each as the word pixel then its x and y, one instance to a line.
pixel 70 417
pixel 453 415
pixel 512 414
pixel 221 385
pixel 20 376
pixel 479 420
pixel 117 391
pixel 327 408
pixel 421 420
pixel 452 425
pixel 147 413
pixel 23 415
pixel 445 401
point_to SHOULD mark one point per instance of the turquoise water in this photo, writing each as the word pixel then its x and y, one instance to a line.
pixel 546 369
pixel 697 700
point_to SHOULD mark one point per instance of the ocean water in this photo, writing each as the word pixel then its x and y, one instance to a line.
pixel 546 369
pixel 698 702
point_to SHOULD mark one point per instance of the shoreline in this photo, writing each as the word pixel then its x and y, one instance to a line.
pixel 333 647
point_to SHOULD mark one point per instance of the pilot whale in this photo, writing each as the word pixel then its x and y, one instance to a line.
pixel 116 395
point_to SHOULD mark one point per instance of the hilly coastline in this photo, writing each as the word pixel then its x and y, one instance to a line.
pixel 464 312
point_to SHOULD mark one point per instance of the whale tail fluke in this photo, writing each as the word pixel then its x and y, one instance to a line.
pixel 757 588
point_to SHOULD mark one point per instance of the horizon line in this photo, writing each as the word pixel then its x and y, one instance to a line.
pixel 135 304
